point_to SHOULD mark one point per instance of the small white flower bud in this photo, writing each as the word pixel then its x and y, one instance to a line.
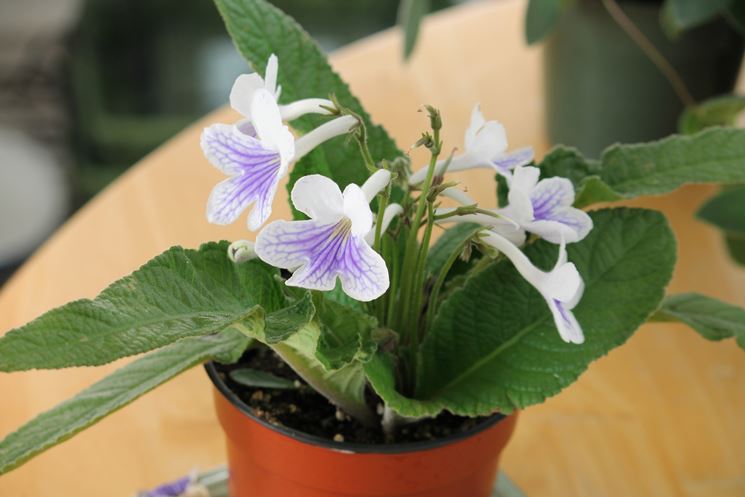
pixel 241 251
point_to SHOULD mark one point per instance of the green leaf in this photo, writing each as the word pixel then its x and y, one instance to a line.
pixel 736 247
pixel 726 210
pixel 259 29
pixel 255 378
pixel 343 387
pixel 719 111
pixel 381 373
pixel 410 15
pixel 680 15
pixel 281 324
pixel 114 392
pixel 712 318
pixel 715 155
pixel 541 19
pixel 345 334
pixel 509 352
pixel 178 294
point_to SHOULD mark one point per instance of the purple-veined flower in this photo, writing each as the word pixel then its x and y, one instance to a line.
pixel 485 144
pixel 540 207
pixel 256 155
pixel 241 95
pixel 562 287
pixel 545 207
pixel 333 242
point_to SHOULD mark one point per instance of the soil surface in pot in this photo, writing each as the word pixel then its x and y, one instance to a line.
pixel 305 410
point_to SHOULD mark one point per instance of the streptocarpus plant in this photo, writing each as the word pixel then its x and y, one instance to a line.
pixel 507 307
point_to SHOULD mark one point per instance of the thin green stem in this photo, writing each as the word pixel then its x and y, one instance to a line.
pixel 382 205
pixel 440 281
pixel 466 210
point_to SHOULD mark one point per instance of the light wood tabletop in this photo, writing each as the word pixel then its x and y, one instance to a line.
pixel 662 416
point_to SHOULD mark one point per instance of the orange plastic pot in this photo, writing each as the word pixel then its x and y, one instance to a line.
pixel 270 461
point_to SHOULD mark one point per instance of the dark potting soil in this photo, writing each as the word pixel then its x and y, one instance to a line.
pixel 305 410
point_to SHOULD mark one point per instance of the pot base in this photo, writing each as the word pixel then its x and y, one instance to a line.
pixel 215 482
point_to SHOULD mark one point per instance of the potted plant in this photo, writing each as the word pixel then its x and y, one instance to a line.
pixel 351 354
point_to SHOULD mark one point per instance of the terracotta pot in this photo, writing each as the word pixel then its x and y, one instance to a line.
pixel 270 461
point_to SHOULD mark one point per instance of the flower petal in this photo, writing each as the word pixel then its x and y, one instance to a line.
pixel 231 151
pixel 319 198
pixel 254 171
pixel 320 253
pixel 241 95
pixel 234 195
pixel 505 163
pixel 562 283
pixel 552 231
pixel 291 244
pixel 489 143
pixel 568 326
pixel 357 209
pixel 365 275
pixel 477 122
pixel 550 194
pixel 568 223
pixel 274 135
pixel 520 207
pixel 270 75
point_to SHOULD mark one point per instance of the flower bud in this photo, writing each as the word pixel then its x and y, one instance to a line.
pixel 241 251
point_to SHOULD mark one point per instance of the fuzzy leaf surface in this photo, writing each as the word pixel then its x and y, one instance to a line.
pixel 178 294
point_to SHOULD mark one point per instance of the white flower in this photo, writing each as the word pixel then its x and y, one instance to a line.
pixel 256 154
pixel 332 243
pixel 485 147
pixel 545 207
pixel 541 207
pixel 242 93
pixel 562 287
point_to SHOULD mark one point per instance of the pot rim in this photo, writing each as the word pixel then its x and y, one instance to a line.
pixel 359 448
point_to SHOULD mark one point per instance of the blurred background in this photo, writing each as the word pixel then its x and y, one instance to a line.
pixel 88 87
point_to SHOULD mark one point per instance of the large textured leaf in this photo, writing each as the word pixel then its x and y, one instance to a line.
pixel 715 155
pixel 712 318
pixel 343 387
pixel 719 111
pixel 541 18
pixel 259 29
pixel 114 392
pixel 509 352
pixel 345 334
pixel 178 294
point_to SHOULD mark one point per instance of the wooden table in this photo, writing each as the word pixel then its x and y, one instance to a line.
pixel 662 416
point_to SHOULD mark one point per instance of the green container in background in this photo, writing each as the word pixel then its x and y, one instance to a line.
pixel 601 88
